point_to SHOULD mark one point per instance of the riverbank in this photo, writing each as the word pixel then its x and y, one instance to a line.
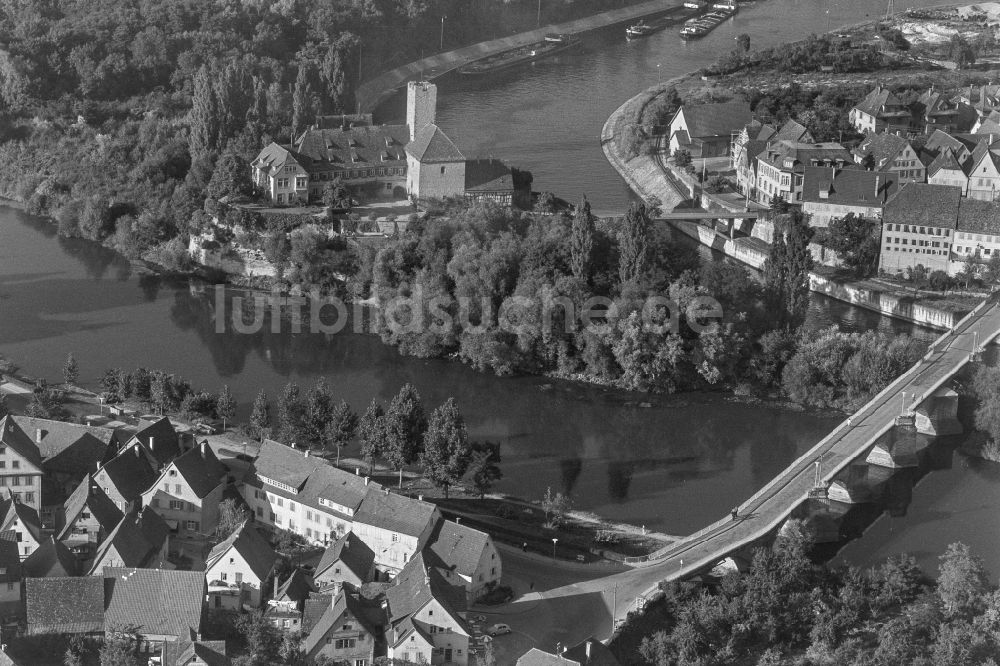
pixel 373 92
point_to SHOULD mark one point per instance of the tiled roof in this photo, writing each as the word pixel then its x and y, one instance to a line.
pixel 596 654
pixel 431 145
pixel 981 217
pixel 488 176
pixel 313 609
pixel 883 147
pixel 130 473
pixel 248 542
pixel 153 527
pixel 536 657
pixel 875 103
pixel 64 446
pixel 850 187
pixel 350 551
pixel 718 119
pixel 156 601
pixel 274 156
pixel 989 127
pixel 297 587
pixel 923 204
pixel 945 160
pixel 88 495
pixel 285 464
pixel 395 513
pixel 458 546
pixel 51 558
pixel 758 131
pixel 417 584
pixel 792 131
pixel 201 469
pixel 356 147
pixel 939 141
pixel 13 436
pixel 180 653
pixel 369 614
pixel 789 155
pixel 64 605
pixel 12 510
pixel 10 562
pixel 160 439
pixel 138 540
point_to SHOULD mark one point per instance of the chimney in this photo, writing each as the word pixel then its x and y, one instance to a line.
pixel 420 497
pixel 38 435
pixel 305 454
pixel 590 643
pixel 152 444
pixel 293 445
pixel 138 453
pixel 274 595
pixel 458 520
pixel 386 490
pixel 204 445
pixel 357 471
pixel 366 480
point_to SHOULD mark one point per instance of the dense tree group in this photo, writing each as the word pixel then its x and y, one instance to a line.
pixel 787 610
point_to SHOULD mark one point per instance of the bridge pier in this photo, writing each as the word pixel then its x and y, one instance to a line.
pixel 938 415
pixel 898 448
pixel 859 483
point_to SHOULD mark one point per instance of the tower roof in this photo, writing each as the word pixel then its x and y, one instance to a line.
pixel 432 146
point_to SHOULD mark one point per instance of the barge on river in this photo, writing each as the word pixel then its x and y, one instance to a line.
pixel 552 44
pixel 699 27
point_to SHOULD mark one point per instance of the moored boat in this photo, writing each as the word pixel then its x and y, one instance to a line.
pixel 640 29
pixel 552 44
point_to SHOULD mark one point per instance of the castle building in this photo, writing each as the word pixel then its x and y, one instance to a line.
pixel 415 160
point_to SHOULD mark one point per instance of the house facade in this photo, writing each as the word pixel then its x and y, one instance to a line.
pixel 977 233
pixel 918 226
pixel 892 154
pixel 188 491
pixel 881 111
pixel 90 516
pixel 468 553
pixel 20 524
pixel 20 465
pixel 706 130
pixel 350 631
pixel 236 569
pixel 829 193
pixel 126 477
pixel 781 165
pixel 394 527
pixel 984 173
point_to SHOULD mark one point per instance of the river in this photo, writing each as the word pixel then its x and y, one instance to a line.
pixel 673 466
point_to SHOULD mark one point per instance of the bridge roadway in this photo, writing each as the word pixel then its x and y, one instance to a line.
pixel 569 612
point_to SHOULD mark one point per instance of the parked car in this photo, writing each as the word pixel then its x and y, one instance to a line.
pixel 498 629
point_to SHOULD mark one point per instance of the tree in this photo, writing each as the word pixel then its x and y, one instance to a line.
pixel 786 273
pixel 970 269
pixel 260 416
pixel 318 415
pixel 291 410
pixel 120 646
pixel 405 425
pixel 582 242
pixel 343 426
pixel 992 274
pixel 962 581
pixel 743 42
pixel 372 431
pixel 555 507
pixel 336 195
pixel 485 466
pixel 204 135
pixel 231 516
pixel 446 453
pixel 961 51
pixel 231 176
pixel 225 405
pixel 940 280
pixel 71 371
pixel 487 657
pixel 4 406
pixel 682 157
pixel 856 243
pixel 633 245
pixel 303 109
pixel 263 640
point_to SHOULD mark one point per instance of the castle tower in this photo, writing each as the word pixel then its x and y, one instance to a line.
pixel 421 105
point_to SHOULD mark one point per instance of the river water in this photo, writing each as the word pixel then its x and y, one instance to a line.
pixel 673 466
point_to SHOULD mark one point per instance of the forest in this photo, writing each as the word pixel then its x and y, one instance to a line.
pixel 788 610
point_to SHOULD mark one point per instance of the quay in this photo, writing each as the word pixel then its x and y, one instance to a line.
pixel 373 92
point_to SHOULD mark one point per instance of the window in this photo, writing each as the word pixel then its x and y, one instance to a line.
pixel 346 627
pixel 224 576
pixel 192 525
pixel 442 170
pixel 176 505
pixel 177 489
pixel 279 501
pixel 345 643
pixel 364 662
pixel 259 511
pixel 309 515
pixel 166 487
pixel 15 481
pixel 15 464
pixel 239 577
pixel 291 505
pixel 395 538
pixel 301 182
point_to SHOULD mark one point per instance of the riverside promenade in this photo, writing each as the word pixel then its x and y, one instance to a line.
pixel 372 92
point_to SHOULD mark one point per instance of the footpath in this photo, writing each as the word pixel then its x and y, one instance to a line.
pixel 372 92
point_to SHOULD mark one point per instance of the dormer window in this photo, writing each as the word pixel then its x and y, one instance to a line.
pixel 824 194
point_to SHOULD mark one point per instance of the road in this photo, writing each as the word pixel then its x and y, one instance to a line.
pixel 570 605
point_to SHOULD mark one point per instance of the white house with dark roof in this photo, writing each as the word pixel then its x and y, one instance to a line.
pixel 19 523
pixel 140 540
pixel 51 558
pixel 918 227
pixel 347 560
pixel 948 169
pixel 892 154
pixel 780 167
pixel 468 553
pixel 90 516
pixel 395 527
pixel 830 193
pixel 236 569
pixel 20 464
pixel 188 491
pixel 708 130
pixel 350 631
pixel 984 172
pixel 427 617
pixel 126 477
pixel 881 111
pixel 977 233
pixel 295 491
